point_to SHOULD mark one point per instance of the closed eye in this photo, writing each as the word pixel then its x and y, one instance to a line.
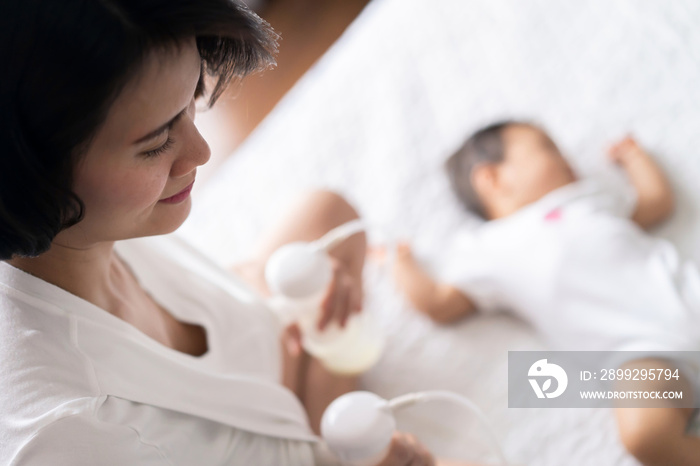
pixel 159 150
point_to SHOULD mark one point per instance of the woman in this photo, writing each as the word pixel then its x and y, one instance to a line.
pixel 119 343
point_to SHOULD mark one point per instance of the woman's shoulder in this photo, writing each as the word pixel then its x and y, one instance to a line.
pixel 36 340
pixel 42 376
pixel 38 359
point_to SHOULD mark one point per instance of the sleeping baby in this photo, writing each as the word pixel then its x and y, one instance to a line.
pixel 572 258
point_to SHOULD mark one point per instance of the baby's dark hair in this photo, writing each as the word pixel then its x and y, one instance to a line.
pixel 484 146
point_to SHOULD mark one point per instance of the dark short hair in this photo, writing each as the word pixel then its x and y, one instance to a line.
pixel 64 64
pixel 484 146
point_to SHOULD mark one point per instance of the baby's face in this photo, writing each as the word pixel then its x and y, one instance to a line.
pixel 532 166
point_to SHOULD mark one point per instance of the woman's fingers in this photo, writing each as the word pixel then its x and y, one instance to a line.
pixel 356 298
pixel 341 303
pixel 291 338
pixel 421 455
pixel 328 304
pixel 425 458
pixel 332 301
pixel 342 309
pixel 343 297
pixel 399 452
pixel 406 450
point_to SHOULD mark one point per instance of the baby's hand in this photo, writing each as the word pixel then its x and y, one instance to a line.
pixel 625 150
pixel 403 261
pixel 403 250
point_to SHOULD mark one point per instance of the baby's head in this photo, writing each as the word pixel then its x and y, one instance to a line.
pixel 506 166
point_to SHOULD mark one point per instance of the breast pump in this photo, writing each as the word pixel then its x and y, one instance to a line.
pixel 299 274
pixel 357 426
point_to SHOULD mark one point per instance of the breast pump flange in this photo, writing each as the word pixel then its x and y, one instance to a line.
pixel 298 275
pixel 358 426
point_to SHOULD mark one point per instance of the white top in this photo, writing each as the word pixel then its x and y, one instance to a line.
pixel 575 266
pixel 83 387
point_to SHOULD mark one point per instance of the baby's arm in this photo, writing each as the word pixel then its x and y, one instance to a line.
pixel 654 195
pixel 442 302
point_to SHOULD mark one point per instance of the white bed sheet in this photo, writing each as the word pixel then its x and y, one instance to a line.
pixel 376 116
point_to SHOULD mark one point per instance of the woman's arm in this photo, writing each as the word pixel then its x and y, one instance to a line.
pixel 654 194
pixel 442 302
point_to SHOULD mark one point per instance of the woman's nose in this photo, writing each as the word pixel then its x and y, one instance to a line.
pixel 194 152
pixel 201 151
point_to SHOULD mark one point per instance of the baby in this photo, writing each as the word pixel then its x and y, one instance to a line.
pixel 573 259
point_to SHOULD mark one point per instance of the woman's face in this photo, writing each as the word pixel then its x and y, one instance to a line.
pixel 147 150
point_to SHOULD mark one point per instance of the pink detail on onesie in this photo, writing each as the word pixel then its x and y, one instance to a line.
pixel 553 215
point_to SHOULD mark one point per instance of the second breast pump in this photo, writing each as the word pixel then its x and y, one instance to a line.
pixel 299 274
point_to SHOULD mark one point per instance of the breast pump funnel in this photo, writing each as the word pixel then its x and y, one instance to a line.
pixel 358 426
pixel 298 270
pixel 299 274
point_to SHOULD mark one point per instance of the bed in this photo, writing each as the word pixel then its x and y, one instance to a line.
pixel 376 116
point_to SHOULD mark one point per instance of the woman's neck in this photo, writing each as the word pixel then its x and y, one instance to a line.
pixel 92 273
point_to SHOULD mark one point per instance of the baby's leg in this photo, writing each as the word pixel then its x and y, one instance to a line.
pixel 657 435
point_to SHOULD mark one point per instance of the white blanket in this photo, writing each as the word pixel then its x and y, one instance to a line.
pixel 401 89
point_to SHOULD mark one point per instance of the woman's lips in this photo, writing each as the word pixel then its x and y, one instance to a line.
pixel 179 197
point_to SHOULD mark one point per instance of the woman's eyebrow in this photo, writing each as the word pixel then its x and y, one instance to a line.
pixel 161 128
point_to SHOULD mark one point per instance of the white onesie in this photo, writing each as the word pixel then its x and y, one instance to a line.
pixel 581 272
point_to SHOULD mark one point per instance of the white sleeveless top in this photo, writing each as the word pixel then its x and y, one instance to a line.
pixel 82 387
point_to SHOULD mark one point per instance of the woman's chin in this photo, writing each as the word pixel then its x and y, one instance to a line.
pixel 172 216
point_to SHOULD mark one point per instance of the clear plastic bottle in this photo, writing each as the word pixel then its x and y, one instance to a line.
pixel 349 350
pixel 299 275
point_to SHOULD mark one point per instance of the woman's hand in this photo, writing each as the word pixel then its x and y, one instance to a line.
pixel 344 297
pixel 406 450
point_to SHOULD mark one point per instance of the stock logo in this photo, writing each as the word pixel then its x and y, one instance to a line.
pixel 544 371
